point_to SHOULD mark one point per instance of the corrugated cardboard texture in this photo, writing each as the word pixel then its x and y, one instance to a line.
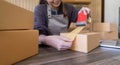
pixel 14 17
pixel 17 45
pixel 104 27
pixel 86 42
pixel 109 35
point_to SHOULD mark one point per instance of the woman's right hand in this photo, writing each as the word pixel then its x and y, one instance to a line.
pixel 58 42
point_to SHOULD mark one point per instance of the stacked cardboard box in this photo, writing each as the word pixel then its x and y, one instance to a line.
pixel 17 45
pixel 13 17
pixel 18 40
pixel 108 31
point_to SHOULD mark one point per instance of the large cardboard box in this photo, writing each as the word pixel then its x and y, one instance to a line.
pixel 17 45
pixel 85 42
pixel 104 27
pixel 109 35
pixel 14 17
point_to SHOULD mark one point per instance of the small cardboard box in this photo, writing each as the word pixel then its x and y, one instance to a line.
pixel 109 35
pixel 104 27
pixel 17 45
pixel 13 17
pixel 85 42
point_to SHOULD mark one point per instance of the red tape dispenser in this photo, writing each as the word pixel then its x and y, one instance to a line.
pixel 82 16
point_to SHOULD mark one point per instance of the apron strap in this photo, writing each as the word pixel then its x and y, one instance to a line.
pixel 49 12
pixel 64 11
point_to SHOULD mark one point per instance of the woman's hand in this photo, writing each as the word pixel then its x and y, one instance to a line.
pixel 58 42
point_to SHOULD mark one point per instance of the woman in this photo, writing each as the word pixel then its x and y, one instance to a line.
pixel 51 18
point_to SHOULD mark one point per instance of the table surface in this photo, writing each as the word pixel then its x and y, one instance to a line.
pixel 50 56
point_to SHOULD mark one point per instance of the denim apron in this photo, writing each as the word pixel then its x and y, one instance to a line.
pixel 56 23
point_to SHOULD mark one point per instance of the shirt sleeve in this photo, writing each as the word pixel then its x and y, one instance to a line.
pixel 73 13
pixel 40 22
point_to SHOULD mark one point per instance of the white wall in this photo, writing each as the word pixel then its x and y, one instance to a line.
pixel 112 11
pixel 27 4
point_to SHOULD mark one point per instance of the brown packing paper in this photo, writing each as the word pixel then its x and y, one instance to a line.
pixel 72 27
pixel 76 30
pixel 88 28
pixel 17 45
pixel 104 27
pixel 85 31
pixel 14 17
pixel 71 35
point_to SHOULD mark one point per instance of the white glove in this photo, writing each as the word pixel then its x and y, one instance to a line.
pixel 58 42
